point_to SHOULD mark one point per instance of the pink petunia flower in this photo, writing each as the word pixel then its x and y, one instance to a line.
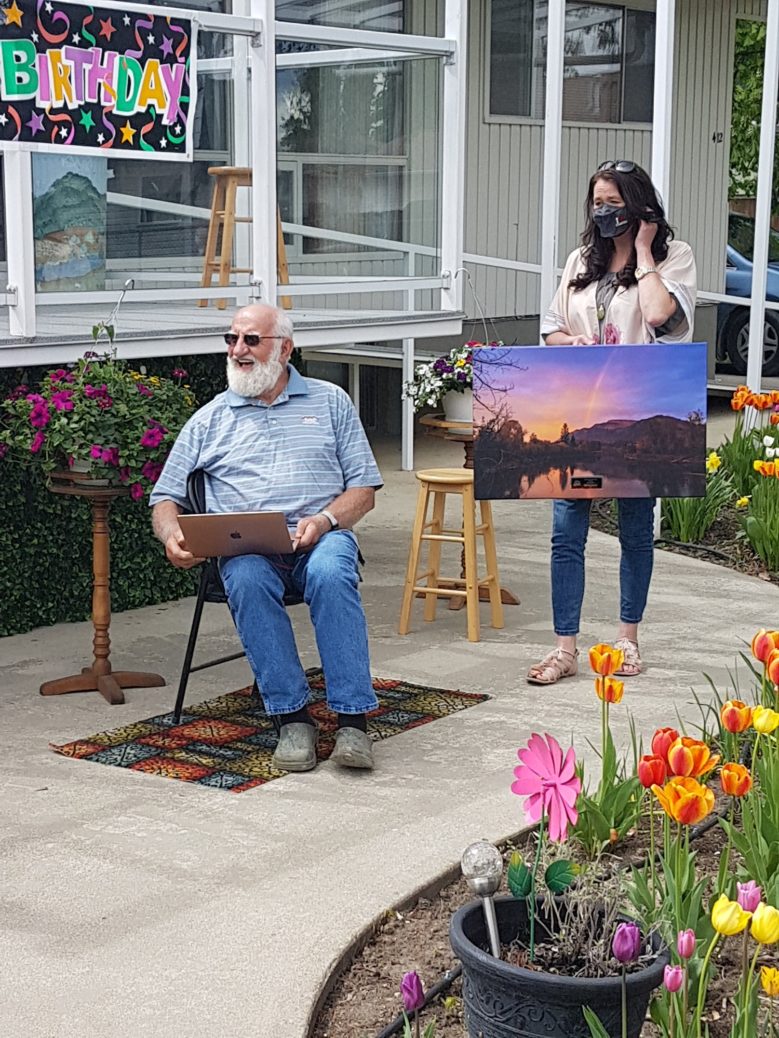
pixel 549 782
pixel 136 491
pixel 124 474
pixel 143 390
pixel 96 451
pixel 152 470
pixel 38 441
pixel 152 438
pixel 111 456
pixel 40 416
pixel 63 400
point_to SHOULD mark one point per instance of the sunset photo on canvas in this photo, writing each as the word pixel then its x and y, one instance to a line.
pixel 590 421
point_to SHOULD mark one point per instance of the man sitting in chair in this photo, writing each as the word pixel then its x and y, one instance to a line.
pixel 275 441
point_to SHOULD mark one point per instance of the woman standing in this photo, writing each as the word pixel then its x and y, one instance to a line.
pixel 630 282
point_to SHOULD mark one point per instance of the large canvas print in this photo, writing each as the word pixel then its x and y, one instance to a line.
pixel 590 421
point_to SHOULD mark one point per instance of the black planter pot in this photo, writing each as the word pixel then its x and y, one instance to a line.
pixel 505 1001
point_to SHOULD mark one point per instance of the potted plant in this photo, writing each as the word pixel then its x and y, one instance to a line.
pixel 447 380
pixel 98 420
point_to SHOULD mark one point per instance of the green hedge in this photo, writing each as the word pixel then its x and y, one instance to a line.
pixel 45 538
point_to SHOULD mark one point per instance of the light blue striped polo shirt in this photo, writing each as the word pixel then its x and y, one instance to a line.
pixel 292 456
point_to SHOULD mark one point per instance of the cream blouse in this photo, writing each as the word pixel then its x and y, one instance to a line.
pixel 576 312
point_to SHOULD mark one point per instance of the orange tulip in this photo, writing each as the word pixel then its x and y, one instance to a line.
pixel 690 758
pixel 774 419
pixel 775 397
pixel 762 401
pixel 735 780
pixel 772 666
pixel 685 800
pixel 610 690
pixel 735 715
pixel 662 740
pixel 605 659
pixel 652 770
pixel 740 397
pixel 764 643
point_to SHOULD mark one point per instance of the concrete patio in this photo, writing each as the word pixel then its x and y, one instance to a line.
pixel 135 905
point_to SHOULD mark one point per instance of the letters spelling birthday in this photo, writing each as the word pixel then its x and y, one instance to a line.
pixel 72 76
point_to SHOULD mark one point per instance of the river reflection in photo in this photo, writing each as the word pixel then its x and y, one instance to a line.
pixel 640 479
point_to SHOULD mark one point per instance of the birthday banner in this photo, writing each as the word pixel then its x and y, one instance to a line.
pixel 96 79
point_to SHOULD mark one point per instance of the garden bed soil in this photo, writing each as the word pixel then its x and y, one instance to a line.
pixel 366 997
pixel 724 543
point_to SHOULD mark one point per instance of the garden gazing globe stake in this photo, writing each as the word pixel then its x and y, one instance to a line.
pixel 482 868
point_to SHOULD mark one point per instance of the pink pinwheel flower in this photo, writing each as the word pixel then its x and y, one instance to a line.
pixel 549 782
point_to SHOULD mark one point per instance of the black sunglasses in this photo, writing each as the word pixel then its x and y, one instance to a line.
pixel 620 165
pixel 251 338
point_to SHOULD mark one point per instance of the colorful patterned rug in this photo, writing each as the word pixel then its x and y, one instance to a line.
pixel 227 743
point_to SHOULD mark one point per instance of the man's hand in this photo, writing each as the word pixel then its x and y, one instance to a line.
pixel 178 553
pixel 309 531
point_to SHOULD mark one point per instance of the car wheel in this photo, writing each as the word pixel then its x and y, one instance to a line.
pixel 737 342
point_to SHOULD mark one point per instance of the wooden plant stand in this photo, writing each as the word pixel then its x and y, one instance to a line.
pixel 99 677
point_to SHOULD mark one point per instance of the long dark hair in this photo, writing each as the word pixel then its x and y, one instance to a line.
pixel 641 201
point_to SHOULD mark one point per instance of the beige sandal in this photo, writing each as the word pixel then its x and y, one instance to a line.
pixel 555 665
pixel 632 658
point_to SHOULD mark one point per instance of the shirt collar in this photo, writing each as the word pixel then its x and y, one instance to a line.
pixel 296 386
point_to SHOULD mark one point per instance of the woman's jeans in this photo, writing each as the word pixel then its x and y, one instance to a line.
pixel 570 525
pixel 327 577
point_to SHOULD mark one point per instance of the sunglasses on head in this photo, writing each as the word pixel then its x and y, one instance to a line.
pixel 251 338
pixel 620 165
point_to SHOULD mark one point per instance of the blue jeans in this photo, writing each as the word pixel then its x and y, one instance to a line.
pixel 327 577
pixel 570 525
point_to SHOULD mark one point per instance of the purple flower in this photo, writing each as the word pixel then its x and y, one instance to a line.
pixel 110 455
pixel 19 392
pixel 61 375
pixel 63 400
pixel 136 491
pixel 104 402
pixel 749 895
pixel 89 355
pixel 38 441
pixel 152 470
pixel 96 451
pixel 35 398
pixel 40 416
pixel 124 474
pixel 685 943
pixel 3 450
pixel 95 391
pixel 673 978
pixel 412 992
pixel 143 390
pixel 627 943
pixel 178 373
pixel 152 438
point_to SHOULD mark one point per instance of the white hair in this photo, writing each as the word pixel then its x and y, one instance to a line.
pixel 283 325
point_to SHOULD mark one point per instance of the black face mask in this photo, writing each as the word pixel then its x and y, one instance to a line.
pixel 611 220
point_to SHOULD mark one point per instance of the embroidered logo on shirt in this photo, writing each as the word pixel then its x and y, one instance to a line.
pixel 310 419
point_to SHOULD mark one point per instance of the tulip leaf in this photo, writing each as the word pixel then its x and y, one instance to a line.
pixel 518 877
pixel 560 875
pixel 597 1030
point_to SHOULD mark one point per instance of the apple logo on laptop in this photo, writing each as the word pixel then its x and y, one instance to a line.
pixel 235 535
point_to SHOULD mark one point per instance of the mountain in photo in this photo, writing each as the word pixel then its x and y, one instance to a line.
pixel 661 433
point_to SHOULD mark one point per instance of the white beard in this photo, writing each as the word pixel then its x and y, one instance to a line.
pixel 259 379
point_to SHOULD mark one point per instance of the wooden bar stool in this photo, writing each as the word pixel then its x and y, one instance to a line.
pixel 436 484
pixel 219 254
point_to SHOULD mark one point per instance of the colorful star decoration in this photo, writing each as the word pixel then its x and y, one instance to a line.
pixel 86 120
pixel 13 14
pixel 127 133
pixel 107 28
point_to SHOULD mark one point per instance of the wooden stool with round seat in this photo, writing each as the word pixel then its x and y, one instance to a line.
pixel 435 485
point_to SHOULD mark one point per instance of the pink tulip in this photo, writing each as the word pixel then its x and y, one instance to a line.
pixel 685 943
pixel 673 978
pixel 749 895
pixel 412 992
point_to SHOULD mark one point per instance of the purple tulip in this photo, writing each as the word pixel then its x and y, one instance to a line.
pixel 627 943
pixel 412 992
pixel 685 943
pixel 749 895
pixel 673 978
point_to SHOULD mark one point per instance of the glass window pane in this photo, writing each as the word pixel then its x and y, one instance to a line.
pixel 592 84
pixel 386 16
pixel 511 41
pixel 639 66
pixel 355 199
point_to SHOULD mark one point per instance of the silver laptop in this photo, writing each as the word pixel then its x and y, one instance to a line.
pixel 236 533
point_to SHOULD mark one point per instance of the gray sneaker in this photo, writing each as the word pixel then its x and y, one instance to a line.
pixel 296 748
pixel 353 749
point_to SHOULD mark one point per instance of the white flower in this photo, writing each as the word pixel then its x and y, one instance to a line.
pixel 768 441
pixel 770 452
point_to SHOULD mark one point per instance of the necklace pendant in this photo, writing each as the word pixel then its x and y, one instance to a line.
pixel 601 313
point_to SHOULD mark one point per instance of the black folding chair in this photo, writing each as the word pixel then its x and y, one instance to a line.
pixel 210 589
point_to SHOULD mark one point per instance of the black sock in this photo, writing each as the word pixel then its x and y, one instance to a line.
pixel 358 721
pixel 297 717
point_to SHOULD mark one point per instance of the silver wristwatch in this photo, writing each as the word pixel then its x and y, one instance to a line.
pixel 329 516
pixel 641 272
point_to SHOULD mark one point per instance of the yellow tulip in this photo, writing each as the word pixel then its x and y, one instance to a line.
pixel 765 720
pixel 742 502
pixel 605 659
pixel 765 924
pixel 769 978
pixel 610 690
pixel 728 917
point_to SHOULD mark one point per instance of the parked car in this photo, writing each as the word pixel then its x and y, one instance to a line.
pixel 733 320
